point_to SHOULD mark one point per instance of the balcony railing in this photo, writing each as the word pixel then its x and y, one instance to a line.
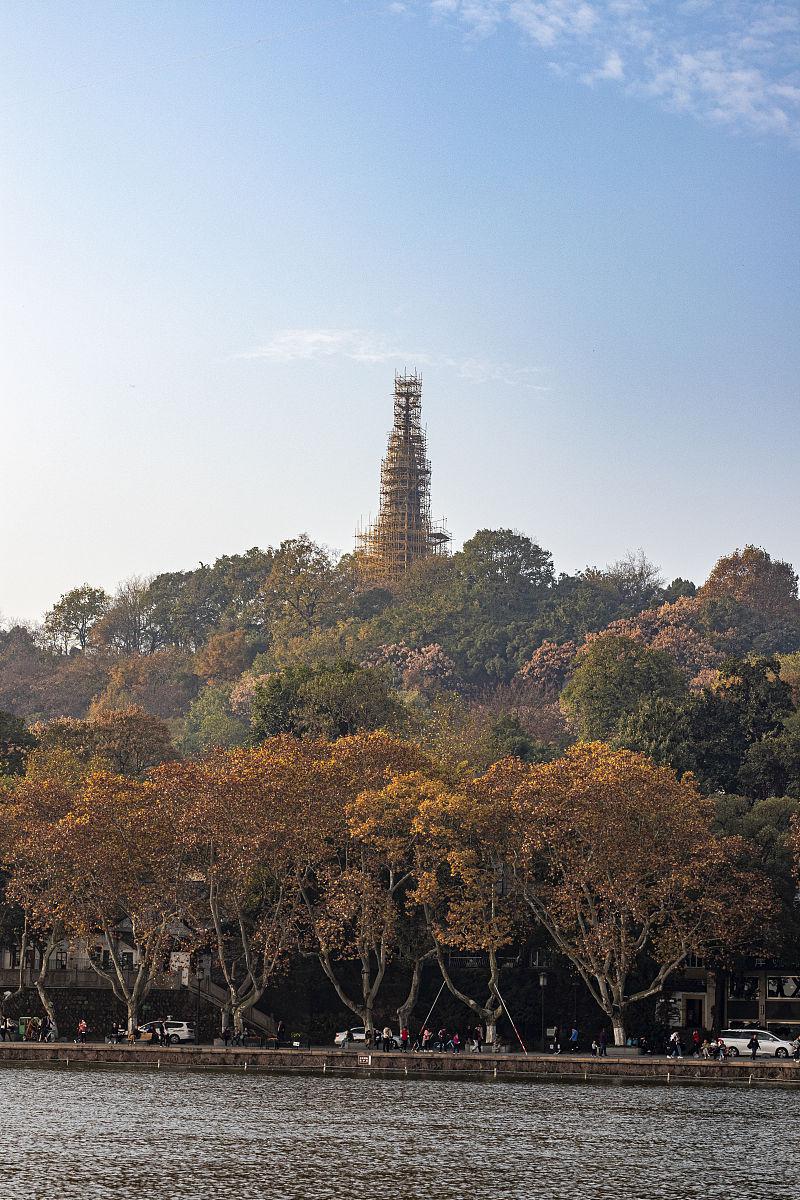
pixel 75 977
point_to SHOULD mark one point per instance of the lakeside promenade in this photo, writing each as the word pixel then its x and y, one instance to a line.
pixel 490 1068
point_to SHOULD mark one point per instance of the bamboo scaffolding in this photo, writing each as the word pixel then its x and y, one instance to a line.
pixel 403 531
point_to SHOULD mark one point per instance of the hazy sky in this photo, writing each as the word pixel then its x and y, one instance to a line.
pixel 224 225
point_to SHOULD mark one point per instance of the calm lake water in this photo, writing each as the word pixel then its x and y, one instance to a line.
pixel 92 1133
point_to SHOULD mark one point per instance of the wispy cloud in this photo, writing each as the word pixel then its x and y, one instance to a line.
pixel 734 62
pixel 361 346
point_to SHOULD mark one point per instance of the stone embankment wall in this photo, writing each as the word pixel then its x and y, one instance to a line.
pixel 765 1072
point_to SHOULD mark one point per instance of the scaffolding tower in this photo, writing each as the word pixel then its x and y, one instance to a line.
pixel 403 531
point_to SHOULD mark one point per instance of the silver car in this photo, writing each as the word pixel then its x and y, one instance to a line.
pixel 771 1046
pixel 176 1031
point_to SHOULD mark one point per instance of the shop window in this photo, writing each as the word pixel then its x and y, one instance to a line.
pixel 783 987
pixel 743 987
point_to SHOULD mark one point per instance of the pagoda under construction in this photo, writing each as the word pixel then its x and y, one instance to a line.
pixel 403 531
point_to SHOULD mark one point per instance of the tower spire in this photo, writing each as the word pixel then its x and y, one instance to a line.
pixel 403 531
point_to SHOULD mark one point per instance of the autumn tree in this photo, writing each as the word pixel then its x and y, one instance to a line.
pixel 424 669
pixel 789 667
pixel 224 657
pixel 463 846
pixel 549 669
pixel 25 672
pixel 163 683
pixel 127 741
pixel 618 862
pixel 678 628
pixel 70 621
pixel 239 827
pixel 124 877
pixel 359 860
pixel 753 578
pixel 38 872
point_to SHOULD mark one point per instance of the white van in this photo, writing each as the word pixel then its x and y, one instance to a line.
pixel 771 1045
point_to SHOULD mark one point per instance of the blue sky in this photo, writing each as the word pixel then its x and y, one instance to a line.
pixel 224 226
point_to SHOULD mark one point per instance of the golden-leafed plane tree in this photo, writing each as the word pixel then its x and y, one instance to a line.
pixel 359 865
pixel 616 858
pixel 242 813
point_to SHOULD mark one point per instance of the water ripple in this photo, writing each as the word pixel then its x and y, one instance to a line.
pixel 89 1134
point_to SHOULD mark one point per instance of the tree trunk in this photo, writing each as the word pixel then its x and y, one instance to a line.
pixel 46 954
pixel 410 1003
pixel 488 1013
pixel 618 1025
pixel 23 951
pixel 43 995
pixel 47 1005
pixel 132 1003
pixel 237 1012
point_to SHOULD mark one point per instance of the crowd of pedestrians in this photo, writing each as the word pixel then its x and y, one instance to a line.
pixel 450 1041
pixel 32 1029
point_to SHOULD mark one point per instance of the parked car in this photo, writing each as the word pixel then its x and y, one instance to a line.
pixel 359 1034
pixel 771 1045
pixel 177 1031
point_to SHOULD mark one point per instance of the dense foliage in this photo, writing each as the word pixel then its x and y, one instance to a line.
pixel 363 850
pixel 484 658
pixel 288 640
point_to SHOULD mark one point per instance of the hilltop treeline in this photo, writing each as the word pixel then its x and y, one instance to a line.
pixel 485 653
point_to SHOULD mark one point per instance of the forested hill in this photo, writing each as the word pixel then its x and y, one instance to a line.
pixel 478 655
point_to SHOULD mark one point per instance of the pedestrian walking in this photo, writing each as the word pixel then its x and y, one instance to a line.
pixel 754 1045
pixel 404 1036
pixel 455 1042
pixel 674 1048
pixel 573 1038
pixel 697 1042
pixel 602 1043
pixel 478 1038
pixel 83 1029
